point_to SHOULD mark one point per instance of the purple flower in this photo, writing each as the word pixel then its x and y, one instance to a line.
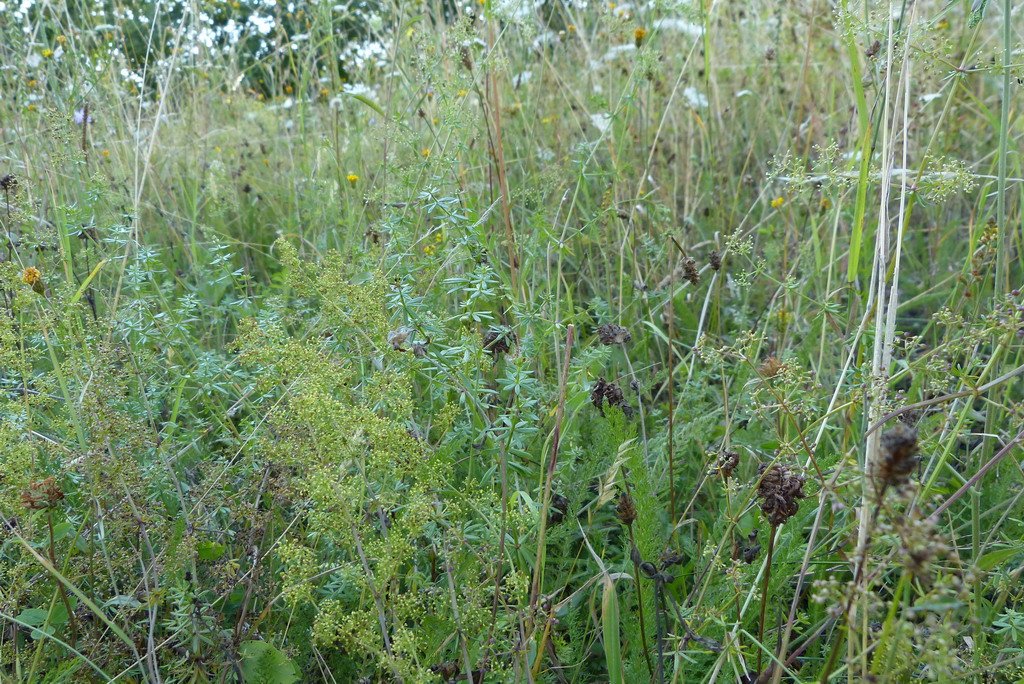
pixel 80 117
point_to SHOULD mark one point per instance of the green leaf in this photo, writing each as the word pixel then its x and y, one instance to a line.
pixel 262 663
pixel 33 616
pixel 368 102
pixel 61 530
pixel 610 632
pixel 210 551
pixel 977 13
pixel 990 560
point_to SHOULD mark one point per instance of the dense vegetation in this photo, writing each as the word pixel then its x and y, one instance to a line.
pixel 511 341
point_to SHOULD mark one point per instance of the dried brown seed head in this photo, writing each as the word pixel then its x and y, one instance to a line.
pixel 690 271
pixel 559 507
pixel 609 334
pixel 727 463
pixel 779 491
pixel 626 509
pixel 499 341
pixel 770 367
pixel 715 260
pixel 898 457
pixel 748 550
pixel 608 391
pixel 42 495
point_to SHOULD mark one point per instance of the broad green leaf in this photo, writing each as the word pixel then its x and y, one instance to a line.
pixel 262 663
pixel 210 551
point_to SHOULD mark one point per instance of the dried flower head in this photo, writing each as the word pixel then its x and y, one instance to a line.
pixel 715 260
pixel 8 182
pixel 770 367
pixel 499 341
pixel 609 334
pixel 559 507
pixel 727 463
pixel 747 550
pixel 31 275
pixel 398 338
pixel 608 391
pixel 42 495
pixel 690 271
pixel 898 457
pixel 779 491
pixel 625 510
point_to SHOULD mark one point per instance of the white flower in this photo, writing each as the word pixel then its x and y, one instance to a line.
pixel 695 98
pixel 601 121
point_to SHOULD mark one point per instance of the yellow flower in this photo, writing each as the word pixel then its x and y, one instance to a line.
pixel 32 83
pixel 462 92
pixel 106 154
pixel 425 152
pixel 943 25
pixel 826 203
pixel 429 250
pixel 547 120
pixel 62 39
pixel 324 92
pixel 288 89
pixel 571 28
pixel 34 279
pixel 778 202
pixel 638 35
pixel 47 53
pixel 439 236
pixel 31 275
pixel 352 179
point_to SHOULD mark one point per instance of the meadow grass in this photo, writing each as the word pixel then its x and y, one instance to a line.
pixel 511 341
